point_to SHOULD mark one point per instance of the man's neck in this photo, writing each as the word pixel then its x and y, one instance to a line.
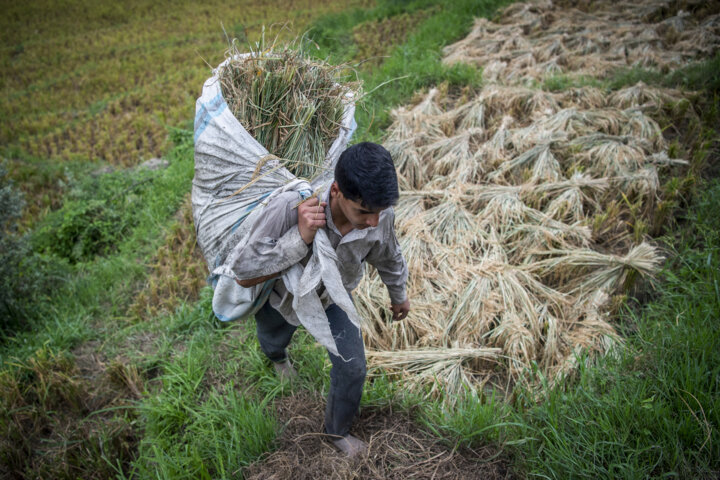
pixel 338 218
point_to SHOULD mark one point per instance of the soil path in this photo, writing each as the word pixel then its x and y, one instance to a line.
pixel 398 449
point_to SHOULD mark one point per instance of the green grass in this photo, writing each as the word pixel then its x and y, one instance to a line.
pixel 193 427
pixel 87 301
pixel 209 411
pixel 93 290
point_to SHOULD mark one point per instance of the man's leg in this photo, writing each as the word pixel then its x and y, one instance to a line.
pixel 346 376
pixel 274 333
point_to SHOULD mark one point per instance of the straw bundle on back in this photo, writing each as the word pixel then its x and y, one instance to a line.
pixel 292 105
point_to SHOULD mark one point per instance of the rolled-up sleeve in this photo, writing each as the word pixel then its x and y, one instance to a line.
pixel 388 259
pixel 275 243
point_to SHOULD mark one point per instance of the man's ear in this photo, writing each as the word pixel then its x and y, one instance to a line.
pixel 335 190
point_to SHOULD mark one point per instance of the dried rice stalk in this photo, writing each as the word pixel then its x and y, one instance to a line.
pixel 290 104
pixel 608 155
pixel 452 154
pixel 544 165
pixel 567 207
pixel 640 95
pixel 430 358
pixel 476 197
pixel 601 271
pixel 585 98
pixel 442 368
pixel 517 101
pixel 449 222
pixel 472 311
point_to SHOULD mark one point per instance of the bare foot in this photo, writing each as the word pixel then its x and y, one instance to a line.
pixel 351 446
pixel 285 370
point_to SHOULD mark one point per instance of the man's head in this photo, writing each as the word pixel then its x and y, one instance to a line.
pixel 365 173
pixel 365 183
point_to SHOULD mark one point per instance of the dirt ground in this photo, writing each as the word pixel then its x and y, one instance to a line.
pixel 398 449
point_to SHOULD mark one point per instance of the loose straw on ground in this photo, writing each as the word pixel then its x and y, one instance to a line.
pixel 522 211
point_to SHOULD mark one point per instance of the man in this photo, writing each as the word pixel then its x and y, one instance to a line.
pixel 357 216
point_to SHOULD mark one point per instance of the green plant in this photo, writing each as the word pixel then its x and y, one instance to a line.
pixel 96 214
pixel 475 420
pixel 12 251
pixel 196 426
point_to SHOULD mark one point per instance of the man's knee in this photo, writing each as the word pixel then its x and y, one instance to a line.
pixel 353 370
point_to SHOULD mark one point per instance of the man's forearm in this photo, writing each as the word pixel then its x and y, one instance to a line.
pixel 251 282
pixel 266 254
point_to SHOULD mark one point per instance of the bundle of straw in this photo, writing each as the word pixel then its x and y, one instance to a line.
pixel 292 105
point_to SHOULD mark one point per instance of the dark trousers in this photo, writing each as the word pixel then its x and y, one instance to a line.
pixel 346 376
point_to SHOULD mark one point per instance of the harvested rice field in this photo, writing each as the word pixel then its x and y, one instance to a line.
pixel 558 167
pixel 105 84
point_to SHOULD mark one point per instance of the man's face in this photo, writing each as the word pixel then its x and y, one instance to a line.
pixel 359 216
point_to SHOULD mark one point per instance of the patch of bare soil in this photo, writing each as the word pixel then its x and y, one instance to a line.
pixel 398 449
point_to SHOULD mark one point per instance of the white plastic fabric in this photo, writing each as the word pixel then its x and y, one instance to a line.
pixel 228 196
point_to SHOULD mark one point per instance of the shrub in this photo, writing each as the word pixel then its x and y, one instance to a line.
pixel 24 274
pixel 96 213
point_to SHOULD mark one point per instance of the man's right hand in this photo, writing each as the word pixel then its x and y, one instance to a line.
pixel 311 216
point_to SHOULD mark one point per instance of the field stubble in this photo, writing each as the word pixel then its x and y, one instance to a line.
pixel 105 85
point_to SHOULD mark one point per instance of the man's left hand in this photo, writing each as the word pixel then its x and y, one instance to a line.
pixel 401 310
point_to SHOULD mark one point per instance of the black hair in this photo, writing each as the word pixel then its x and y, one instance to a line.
pixel 365 172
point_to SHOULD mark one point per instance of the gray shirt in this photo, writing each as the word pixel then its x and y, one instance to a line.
pixel 275 244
